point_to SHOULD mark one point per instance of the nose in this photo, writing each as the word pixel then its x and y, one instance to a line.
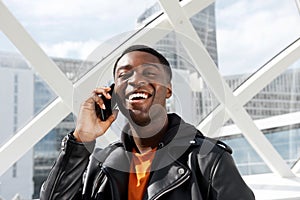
pixel 136 79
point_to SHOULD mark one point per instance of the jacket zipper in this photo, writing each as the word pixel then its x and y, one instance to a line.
pixel 171 188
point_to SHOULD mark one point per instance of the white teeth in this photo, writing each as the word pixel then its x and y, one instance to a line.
pixel 138 95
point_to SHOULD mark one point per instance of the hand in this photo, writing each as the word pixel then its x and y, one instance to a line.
pixel 89 126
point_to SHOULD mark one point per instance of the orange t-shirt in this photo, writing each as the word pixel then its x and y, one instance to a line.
pixel 139 174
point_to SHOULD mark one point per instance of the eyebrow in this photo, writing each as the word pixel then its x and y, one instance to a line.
pixel 123 67
pixel 130 66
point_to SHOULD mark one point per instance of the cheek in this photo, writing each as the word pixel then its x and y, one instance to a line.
pixel 161 94
pixel 120 88
pixel 162 86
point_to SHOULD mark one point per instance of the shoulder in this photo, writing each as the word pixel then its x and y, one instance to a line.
pixel 188 131
pixel 208 153
pixel 209 144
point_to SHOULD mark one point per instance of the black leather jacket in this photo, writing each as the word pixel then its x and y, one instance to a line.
pixel 187 165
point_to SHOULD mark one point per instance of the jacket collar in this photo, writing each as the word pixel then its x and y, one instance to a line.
pixel 166 170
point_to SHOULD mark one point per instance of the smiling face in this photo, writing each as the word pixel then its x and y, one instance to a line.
pixel 142 85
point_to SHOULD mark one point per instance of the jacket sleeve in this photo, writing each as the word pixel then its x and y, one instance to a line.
pixel 227 181
pixel 65 178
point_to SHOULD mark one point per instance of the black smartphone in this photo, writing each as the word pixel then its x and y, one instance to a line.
pixel 109 105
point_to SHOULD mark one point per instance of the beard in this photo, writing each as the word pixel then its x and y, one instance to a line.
pixel 148 124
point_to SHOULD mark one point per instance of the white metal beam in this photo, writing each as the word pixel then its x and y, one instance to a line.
pixel 210 74
pixel 192 7
pixel 35 130
pixel 296 167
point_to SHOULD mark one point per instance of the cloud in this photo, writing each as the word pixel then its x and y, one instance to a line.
pixel 249 33
pixel 72 9
pixel 70 49
pixel 59 26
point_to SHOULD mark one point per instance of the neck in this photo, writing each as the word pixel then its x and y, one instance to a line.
pixel 148 137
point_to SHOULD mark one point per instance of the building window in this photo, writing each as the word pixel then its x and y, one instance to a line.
pixel 15 117
pixel 14 170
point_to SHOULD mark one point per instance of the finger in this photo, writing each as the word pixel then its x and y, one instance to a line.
pixel 98 100
pixel 103 91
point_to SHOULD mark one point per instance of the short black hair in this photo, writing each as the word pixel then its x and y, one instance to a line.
pixel 146 49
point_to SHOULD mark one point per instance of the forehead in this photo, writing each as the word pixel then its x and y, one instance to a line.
pixel 136 58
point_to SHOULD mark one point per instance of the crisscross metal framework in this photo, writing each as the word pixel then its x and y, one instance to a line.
pixel 175 18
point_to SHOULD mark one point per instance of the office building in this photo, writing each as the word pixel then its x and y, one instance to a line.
pixel 17 96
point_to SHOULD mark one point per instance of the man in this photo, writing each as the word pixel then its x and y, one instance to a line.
pixel 159 156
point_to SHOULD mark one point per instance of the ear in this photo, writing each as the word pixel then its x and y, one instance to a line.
pixel 169 90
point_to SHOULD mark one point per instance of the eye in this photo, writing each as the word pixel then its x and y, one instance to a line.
pixel 150 73
pixel 125 74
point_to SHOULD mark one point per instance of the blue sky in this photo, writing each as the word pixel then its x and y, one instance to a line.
pixel 249 32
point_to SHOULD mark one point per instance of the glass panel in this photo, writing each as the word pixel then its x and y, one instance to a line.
pixel 246 158
pixel 286 140
pixel 249 33
pixel 6 45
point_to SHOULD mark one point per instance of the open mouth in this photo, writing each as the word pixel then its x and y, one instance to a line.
pixel 136 96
